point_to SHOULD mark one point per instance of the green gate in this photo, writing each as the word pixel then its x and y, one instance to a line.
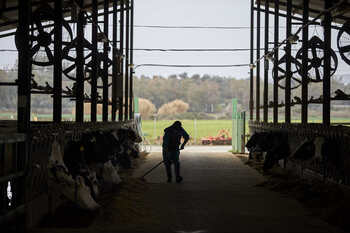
pixel 238 129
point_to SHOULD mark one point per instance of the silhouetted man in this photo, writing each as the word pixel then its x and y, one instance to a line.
pixel 171 148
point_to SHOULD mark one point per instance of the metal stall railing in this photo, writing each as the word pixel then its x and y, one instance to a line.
pixel 23 155
pixel 13 167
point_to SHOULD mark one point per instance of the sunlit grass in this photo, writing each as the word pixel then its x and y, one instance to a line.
pixel 154 129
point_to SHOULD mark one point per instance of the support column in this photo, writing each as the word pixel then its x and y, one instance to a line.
pixel 79 107
pixel 23 104
pixel 326 120
pixel 24 68
pixel 115 72
pixel 131 103
pixel 304 83
pixel 251 93
pixel 57 68
pixel 120 88
pixel 266 62
pixel 127 37
pixel 94 70
pixel 288 62
pixel 105 63
pixel 258 62
pixel 275 78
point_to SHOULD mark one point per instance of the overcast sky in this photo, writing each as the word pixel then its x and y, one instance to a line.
pixel 233 13
pixel 198 13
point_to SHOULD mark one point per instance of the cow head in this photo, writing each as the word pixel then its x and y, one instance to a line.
pixel 277 148
pixel 128 134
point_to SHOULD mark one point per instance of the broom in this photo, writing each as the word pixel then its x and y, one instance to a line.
pixel 150 170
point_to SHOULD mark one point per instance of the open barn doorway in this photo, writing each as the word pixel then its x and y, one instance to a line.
pixel 191 67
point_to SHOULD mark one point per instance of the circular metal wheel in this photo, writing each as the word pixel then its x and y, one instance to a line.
pixel 316 60
pixel 281 78
pixel 41 40
pixel 343 42
pixel 69 54
pixel 100 75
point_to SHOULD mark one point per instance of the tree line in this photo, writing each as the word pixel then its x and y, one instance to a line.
pixel 207 94
pixel 213 94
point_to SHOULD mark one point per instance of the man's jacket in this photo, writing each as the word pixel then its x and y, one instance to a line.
pixel 172 138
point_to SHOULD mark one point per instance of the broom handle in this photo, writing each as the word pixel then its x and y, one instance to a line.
pixel 152 169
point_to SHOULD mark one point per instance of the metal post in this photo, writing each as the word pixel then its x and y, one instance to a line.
pixel 24 68
pixel 127 37
pixel 120 88
pixel 79 107
pixel 266 62
pixel 242 149
pixel 275 81
pixel 131 111
pixel 234 125
pixel 288 62
pixel 195 131
pixel 327 66
pixel 105 63
pixel 115 66
pixel 251 93
pixel 57 68
pixel 304 83
pixel 94 70
pixel 258 62
pixel 23 100
pixel 155 128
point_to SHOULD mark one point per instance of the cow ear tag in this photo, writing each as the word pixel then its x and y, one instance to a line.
pixel 82 148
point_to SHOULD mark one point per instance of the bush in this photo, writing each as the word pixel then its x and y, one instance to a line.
pixel 146 108
pixel 187 116
pixel 173 108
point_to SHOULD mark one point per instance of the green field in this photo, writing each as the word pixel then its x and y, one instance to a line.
pixel 154 129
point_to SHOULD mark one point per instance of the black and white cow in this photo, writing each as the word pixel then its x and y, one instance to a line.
pixel 90 161
pixel 74 188
pixel 128 139
pixel 275 144
pixel 256 144
pixel 320 149
pixel 309 149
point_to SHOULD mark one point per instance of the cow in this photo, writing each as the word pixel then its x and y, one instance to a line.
pixel 97 155
pixel 256 145
pixel 89 156
pixel 275 144
pixel 128 139
pixel 73 188
pixel 321 150
pixel 309 149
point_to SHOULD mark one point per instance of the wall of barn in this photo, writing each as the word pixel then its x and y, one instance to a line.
pixel 337 169
pixel 42 200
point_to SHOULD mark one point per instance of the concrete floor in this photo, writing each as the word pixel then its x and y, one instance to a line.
pixel 219 195
pixel 198 149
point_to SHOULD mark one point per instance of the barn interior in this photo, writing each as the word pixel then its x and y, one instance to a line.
pixel 82 44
